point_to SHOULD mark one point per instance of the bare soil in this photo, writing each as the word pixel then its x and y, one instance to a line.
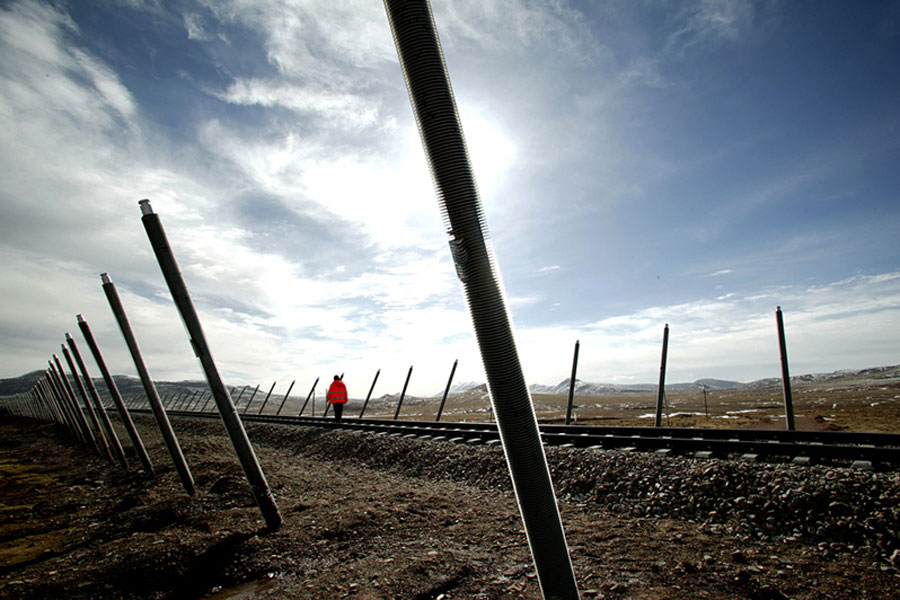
pixel 369 516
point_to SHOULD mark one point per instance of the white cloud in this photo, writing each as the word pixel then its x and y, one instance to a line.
pixel 719 273
pixel 854 323
pixel 340 110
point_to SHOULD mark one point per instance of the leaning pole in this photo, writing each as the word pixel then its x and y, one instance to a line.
pixel 431 96
pixel 235 428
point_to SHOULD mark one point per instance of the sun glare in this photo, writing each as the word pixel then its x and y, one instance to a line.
pixel 490 151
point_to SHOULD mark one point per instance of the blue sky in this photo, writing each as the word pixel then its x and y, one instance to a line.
pixel 640 163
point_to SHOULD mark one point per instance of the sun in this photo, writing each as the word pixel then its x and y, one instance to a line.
pixel 490 150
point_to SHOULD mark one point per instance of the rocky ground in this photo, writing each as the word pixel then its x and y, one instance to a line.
pixel 371 516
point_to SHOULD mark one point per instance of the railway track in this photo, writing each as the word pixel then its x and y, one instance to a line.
pixel 863 449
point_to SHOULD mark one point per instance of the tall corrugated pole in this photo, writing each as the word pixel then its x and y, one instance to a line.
pixel 308 396
pixel 403 393
pixel 446 391
pixel 432 100
pixel 162 419
pixel 572 384
pixel 280 406
pixel 136 440
pixel 661 392
pixel 235 428
pixel 785 373
pixel 111 436
pixel 369 395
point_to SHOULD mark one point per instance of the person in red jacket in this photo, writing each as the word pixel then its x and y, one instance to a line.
pixel 337 397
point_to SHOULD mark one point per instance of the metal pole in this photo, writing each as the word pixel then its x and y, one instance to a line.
pixel 185 398
pixel 267 396
pixel 55 388
pixel 403 393
pixel 206 403
pixel 369 395
pixel 785 374
pixel 705 403
pixel 572 384
pixel 280 406
pixel 662 377
pixel 446 391
pixel 238 401
pixel 111 436
pixel 48 398
pixel 311 390
pixel 162 419
pixel 190 402
pixel 235 428
pixel 250 401
pixel 431 96
pixel 63 383
pixel 136 440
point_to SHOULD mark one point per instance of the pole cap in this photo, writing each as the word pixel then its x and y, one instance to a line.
pixel 104 277
pixel 80 318
pixel 146 209
pixel 68 336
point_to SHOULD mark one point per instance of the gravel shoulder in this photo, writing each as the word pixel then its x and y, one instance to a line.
pixel 370 516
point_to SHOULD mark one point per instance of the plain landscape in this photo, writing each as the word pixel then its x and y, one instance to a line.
pixel 374 516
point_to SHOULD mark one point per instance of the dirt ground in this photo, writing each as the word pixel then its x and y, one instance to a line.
pixel 368 516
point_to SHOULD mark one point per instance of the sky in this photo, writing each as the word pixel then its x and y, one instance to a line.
pixel 640 163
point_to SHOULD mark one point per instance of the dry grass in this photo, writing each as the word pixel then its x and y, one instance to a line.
pixel 846 404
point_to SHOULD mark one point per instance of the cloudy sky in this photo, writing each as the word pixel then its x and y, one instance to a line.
pixel 641 162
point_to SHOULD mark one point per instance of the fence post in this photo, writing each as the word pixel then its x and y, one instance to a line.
pixel 428 83
pixel 369 395
pixel 446 391
pixel 190 401
pixel 785 374
pixel 308 396
pixel 572 384
pixel 62 415
pixel 250 401
pixel 162 419
pixel 69 394
pixel 112 438
pixel 280 406
pixel 403 393
pixel 235 428
pixel 51 390
pixel 136 440
pixel 267 395
pixel 241 395
pixel 661 392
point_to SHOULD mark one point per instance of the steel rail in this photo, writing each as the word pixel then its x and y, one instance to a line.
pixel 714 443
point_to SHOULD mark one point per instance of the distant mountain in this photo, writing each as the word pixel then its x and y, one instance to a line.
pixel 132 385
pixel 20 384
pixel 718 384
pixel 459 388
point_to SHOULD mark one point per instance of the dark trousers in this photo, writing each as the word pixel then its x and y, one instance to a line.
pixel 338 410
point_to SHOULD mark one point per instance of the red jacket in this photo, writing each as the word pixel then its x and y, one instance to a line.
pixel 337 392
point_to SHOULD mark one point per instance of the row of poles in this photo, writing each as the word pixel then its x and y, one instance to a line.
pixel 191 401
pixel 52 398
pixel 661 390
